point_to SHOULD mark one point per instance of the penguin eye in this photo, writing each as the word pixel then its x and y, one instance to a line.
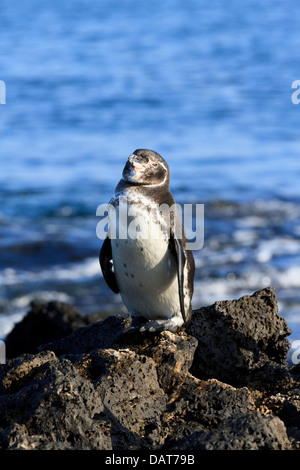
pixel 151 162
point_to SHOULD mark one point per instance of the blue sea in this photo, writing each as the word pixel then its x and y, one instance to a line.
pixel 207 84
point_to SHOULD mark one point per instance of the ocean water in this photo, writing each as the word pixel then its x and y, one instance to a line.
pixel 207 85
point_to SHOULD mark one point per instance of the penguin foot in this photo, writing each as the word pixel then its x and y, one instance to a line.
pixel 140 324
pixel 135 325
pixel 160 325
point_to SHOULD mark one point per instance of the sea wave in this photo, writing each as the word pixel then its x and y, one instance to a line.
pixel 77 271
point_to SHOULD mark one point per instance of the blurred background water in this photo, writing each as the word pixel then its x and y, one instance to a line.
pixel 205 84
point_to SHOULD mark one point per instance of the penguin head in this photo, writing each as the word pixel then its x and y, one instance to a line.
pixel 146 167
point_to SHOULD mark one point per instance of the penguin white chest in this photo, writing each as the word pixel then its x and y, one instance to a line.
pixel 146 270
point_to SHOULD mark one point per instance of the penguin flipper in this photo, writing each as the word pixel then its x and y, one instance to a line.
pixel 106 263
pixel 181 260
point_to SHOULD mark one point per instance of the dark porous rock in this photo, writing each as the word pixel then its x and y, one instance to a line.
pixel 286 405
pixel 133 399
pixel 250 431
pixel 290 412
pixel 172 353
pixel 202 405
pixel 211 401
pixel 106 386
pixel 99 335
pixel 242 342
pixel 46 404
pixel 43 323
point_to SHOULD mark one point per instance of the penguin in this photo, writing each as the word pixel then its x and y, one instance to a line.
pixel 150 265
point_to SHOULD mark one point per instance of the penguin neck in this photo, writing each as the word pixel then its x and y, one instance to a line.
pixel 158 194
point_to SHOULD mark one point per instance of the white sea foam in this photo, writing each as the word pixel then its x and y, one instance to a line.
pixel 20 305
pixel 77 271
pixel 289 278
pixel 73 271
pixel 23 301
pixel 278 247
pixel 7 322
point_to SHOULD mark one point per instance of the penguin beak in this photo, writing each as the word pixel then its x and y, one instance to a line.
pixel 136 162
